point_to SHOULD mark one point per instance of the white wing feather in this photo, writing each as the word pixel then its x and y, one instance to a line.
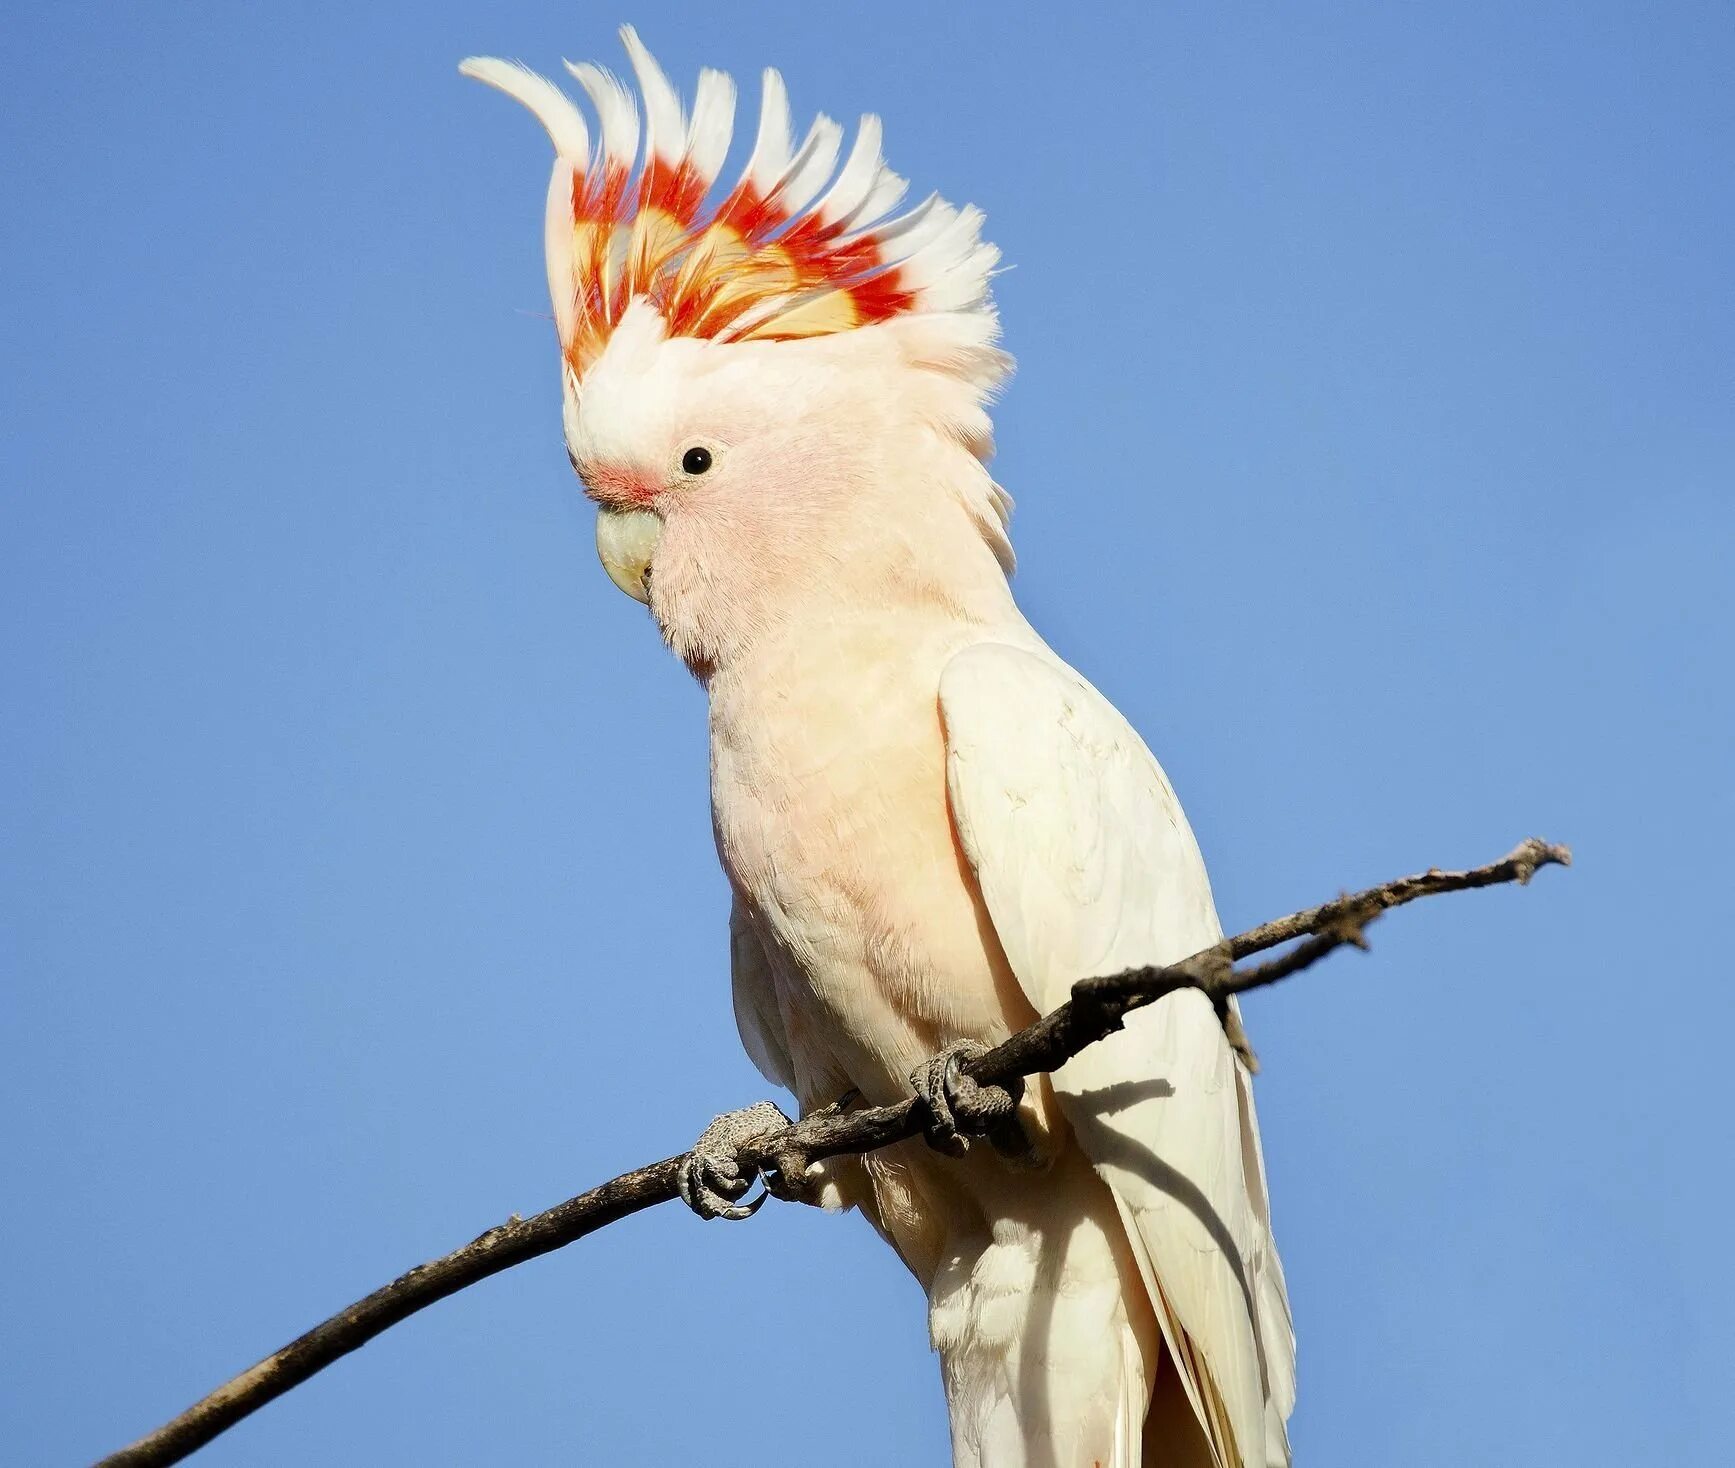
pixel 1087 866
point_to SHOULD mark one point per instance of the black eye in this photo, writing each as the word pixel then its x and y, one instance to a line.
pixel 696 460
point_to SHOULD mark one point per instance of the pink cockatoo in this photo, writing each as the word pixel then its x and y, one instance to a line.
pixel 931 825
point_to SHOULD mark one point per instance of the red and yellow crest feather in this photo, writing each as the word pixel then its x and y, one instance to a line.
pixel 798 247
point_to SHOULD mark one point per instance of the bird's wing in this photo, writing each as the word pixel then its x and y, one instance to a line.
pixel 757 1015
pixel 1087 866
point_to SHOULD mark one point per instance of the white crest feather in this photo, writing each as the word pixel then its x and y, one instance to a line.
pixel 713 124
pixel 772 146
pixel 616 111
pixel 557 250
pixel 665 122
pixel 856 179
pixel 800 246
pixel 811 166
pixel 550 106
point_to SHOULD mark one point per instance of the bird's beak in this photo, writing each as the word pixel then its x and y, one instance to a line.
pixel 626 540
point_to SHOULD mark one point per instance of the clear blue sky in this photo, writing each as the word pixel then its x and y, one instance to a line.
pixel 1374 448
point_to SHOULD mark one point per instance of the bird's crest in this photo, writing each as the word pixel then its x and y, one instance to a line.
pixel 799 247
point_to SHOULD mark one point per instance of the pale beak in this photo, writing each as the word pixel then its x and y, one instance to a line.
pixel 626 540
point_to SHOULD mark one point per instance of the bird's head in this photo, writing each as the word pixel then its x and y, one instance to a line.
pixel 777 398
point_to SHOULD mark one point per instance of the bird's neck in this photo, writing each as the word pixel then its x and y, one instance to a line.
pixel 911 566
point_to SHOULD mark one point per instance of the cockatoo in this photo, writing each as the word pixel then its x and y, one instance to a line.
pixel 776 393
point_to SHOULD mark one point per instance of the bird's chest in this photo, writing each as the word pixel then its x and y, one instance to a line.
pixel 829 801
pixel 830 812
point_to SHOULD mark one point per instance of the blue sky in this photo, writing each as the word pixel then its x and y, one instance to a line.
pixel 1374 451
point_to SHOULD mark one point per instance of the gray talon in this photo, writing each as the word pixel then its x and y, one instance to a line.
pixel 960 1109
pixel 712 1180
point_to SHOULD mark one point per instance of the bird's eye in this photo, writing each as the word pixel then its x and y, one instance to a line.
pixel 696 460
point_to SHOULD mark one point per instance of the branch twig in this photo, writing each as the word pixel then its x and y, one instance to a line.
pixel 1095 1010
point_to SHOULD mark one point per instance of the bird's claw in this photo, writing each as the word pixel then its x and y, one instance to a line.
pixel 959 1108
pixel 713 1180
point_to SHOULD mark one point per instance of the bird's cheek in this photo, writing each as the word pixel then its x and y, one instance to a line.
pixel 626 540
pixel 620 487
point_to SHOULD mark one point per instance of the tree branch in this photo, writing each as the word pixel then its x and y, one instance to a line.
pixel 1096 1009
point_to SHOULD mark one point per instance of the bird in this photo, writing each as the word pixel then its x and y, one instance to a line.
pixel 777 392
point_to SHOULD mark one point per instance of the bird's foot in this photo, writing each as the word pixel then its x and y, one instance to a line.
pixel 714 1180
pixel 961 1109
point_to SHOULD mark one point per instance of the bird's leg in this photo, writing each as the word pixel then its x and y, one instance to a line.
pixel 960 1109
pixel 713 1180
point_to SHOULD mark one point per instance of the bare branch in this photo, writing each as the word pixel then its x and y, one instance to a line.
pixel 512 1242
pixel 1518 865
pixel 1096 1009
